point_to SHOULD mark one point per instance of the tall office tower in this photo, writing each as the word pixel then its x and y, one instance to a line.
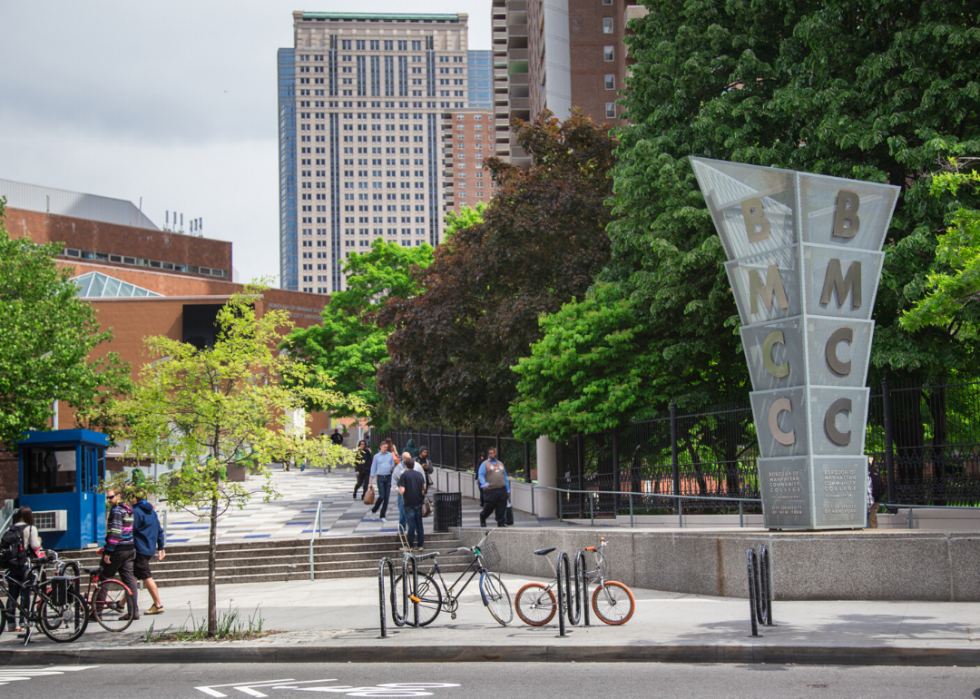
pixel 370 92
pixel 556 55
pixel 480 79
pixel 468 139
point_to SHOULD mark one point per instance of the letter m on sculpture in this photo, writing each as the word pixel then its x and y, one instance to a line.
pixel 773 286
pixel 843 285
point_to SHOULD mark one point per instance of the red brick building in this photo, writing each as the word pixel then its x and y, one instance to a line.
pixel 468 139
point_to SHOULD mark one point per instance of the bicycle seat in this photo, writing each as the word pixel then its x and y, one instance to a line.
pixel 544 552
pixel 92 571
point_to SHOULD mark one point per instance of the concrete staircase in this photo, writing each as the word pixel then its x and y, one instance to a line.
pixel 280 560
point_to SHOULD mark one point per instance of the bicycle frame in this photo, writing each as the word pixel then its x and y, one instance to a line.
pixel 480 568
pixel 35 598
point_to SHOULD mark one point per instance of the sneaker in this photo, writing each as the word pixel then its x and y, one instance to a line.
pixel 384 521
pixel 483 521
pixel 154 610
pixel 373 517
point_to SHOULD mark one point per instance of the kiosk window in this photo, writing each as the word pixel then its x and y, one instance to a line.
pixel 49 471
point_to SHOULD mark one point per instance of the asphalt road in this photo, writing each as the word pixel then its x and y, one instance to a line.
pixel 487 681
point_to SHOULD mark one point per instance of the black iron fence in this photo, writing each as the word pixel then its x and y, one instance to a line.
pixel 924 441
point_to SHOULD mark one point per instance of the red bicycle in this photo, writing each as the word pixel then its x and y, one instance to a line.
pixel 109 601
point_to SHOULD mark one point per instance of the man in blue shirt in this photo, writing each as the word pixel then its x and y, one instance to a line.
pixel 495 487
pixel 381 467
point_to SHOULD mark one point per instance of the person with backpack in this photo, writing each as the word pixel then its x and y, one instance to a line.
pixel 19 544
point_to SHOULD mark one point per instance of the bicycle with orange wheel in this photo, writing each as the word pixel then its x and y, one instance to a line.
pixel 612 601
pixel 109 601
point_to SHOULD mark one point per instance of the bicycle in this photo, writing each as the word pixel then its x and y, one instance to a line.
pixel 52 605
pixel 429 596
pixel 612 601
pixel 109 601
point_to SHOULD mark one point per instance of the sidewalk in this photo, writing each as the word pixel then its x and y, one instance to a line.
pixel 293 515
pixel 338 620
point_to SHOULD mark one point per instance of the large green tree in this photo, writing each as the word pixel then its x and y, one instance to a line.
pixel 540 245
pixel 350 345
pixel 47 334
pixel 879 90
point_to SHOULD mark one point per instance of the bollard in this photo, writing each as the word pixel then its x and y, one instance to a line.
pixel 591 510
pixel 741 521
pixel 381 593
pixel 750 564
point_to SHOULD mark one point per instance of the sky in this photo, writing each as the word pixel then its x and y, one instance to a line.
pixel 173 102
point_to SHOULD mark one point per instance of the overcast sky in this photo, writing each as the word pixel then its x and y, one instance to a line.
pixel 174 102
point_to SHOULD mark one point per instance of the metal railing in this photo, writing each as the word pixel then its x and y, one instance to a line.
pixel 6 515
pixel 317 532
pixel 627 494
pixel 910 508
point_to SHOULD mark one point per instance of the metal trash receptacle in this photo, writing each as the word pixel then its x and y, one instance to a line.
pixel 448 511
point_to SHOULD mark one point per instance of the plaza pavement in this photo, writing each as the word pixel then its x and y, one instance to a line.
pixel 292 516
pixel 338 620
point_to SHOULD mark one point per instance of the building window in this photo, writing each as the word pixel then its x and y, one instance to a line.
pixel 608 53
pixel 610 81
pixel 607 25
pixel 345 44
pixel 610 110
pixel 607 2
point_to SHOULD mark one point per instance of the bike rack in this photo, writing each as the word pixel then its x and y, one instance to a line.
pixel 760 588
pixel 581 580
pixel 408 559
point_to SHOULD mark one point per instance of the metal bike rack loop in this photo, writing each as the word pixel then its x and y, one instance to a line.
pixel 575 613
pixel 760 588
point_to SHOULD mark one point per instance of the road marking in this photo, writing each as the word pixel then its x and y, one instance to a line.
pixel 246 687
pixel 399 689
pixel 8 675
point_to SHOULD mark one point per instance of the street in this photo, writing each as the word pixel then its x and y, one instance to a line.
pixel 499 680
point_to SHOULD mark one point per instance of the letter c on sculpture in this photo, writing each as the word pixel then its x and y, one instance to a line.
pixel 833 361
pixel 785 438
pixel 841 405
pixel 777 370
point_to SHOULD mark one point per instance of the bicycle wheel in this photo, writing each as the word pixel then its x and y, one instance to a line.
pixel 496 598
pixel 535 604
pixel 614 603
pixel 430 597
pixel 112 605
pixel 66 622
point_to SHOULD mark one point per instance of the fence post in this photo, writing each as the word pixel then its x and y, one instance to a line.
pixel 615 460
pixel 889 447
pixel 741 521
pixel 675 470
pixel 476 453
pixel 497 445
pixel 631 509
pixel 680 513
pixel 456 450
pixel 527 467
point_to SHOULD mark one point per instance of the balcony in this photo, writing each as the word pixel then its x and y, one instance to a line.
pixel 517 54
pixel 520 104
pixel 517 6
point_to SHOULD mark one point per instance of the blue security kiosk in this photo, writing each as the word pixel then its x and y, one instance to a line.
pixel 60 473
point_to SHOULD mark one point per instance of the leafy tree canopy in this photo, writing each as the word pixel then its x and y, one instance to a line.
pixel 879 91
pixel 540 245
pixel 47 334
pixel 349 346
pixel 467 216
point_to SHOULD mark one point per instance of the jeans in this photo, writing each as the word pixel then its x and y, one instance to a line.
pixel 414 516
pixel 402 522
pixel 384 492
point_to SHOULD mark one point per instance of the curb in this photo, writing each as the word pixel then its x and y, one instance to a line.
pixel 694 654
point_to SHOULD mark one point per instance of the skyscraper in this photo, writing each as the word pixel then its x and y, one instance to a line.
pixel 364 126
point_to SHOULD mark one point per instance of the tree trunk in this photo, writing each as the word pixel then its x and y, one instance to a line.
pixel 212 555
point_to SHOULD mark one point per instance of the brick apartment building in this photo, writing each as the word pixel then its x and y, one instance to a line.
pixel 468 139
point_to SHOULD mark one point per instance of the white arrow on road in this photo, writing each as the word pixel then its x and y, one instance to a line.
pixel 248 687
pixel 20 674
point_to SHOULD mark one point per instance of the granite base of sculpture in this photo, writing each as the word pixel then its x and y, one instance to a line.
pixel 804 259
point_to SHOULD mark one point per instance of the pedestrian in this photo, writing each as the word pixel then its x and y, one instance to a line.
pixel 150 540
pixel 337 437
pixel 876 491
pixel 395 478
pixel 22 535
pixel 494 483
pixel 362 466
pixel 382 465
pixel 423 461
pixel 483 458
pixel 411 448
pixel 412 490
pixel 119 552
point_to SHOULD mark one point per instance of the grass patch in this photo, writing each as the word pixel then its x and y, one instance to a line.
pixel 231 627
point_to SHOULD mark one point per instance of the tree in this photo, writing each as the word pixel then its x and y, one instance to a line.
pixel 237 404
pixel 540 245
pixel 349 346
pixel 874 91
pixel 47 334
pixel 467 216
pixel 952 298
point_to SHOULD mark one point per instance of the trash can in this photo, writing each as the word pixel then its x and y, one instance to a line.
pixel 448 511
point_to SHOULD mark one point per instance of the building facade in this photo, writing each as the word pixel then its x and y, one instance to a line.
pixel 469 138
pixel 558 55
pixel 369 95
pixel 479 66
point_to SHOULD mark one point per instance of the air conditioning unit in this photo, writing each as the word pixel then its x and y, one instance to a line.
pixel 51 520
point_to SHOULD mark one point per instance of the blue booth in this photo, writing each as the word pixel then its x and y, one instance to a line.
pixel 60 473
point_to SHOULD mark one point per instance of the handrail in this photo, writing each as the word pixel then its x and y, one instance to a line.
pixel 317 530
pixel 910 508
pixel 6 515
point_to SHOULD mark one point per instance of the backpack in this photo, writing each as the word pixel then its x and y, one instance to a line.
pixel 878 487
pixel 13 553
